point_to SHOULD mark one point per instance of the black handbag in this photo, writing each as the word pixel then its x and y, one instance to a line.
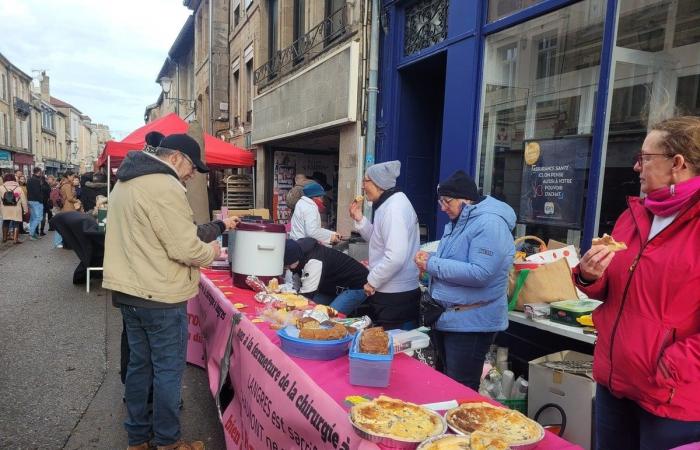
pixel 430 310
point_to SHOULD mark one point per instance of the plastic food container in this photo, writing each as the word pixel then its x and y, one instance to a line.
pixel 368 369
pixel 312 349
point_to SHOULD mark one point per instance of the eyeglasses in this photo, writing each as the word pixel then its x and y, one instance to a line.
pixel 189 160
pixel 445 201
pixel 642 158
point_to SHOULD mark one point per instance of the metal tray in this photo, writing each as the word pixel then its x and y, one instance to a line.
pixel 423 445
pixel 387 442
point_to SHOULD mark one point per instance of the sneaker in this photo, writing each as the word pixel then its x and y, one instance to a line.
pixel 144 446
pixel 33 237
pixel 42 234
pixel 182 445
pixel 59 246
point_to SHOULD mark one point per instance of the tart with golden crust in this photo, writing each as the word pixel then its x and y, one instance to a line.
pixel 485 419
pixel 609 242
pixel 396 419
pixel 475 441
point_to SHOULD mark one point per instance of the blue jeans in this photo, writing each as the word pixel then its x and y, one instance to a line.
pixel 621 424
pixel 36 213
pixel 346 302
pixel 57 239
pixel 158 348
pixel 462 355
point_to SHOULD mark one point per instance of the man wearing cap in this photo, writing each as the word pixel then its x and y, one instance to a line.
pixel 469 275
pixel 306 220
pixel 393 236
pixel 328 277
pixel 151 264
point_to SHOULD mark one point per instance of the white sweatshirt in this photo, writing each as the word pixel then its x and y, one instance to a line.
pixel 306 222
pixel 393 242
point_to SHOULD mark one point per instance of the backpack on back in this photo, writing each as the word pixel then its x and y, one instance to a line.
pixel 55 197
pixel 8 198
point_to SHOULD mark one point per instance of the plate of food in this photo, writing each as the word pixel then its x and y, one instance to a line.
pixel 394 423
pixel 516 429
pixel 471 441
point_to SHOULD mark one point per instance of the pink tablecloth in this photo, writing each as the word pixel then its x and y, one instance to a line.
pixel 271 387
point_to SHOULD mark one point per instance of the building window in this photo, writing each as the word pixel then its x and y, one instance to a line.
pixel 660 81
pixel 272 31
pixel 250 86
pixel 236 15
pixel 3 88
pixel 426 25
pixel 236 90
pixel 248 3
pixel 502 8
pixel 527 103
pixel 3 130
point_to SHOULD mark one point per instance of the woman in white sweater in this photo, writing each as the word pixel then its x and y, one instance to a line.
pixel 393 236
pixel 306 220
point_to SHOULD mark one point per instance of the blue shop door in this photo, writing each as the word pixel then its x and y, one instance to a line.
pixel 419 137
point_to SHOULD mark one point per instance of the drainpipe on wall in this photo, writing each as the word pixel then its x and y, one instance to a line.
pixel 372 91
pixel 211 66
pixel 372 87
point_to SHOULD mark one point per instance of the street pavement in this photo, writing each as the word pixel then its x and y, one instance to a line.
pixel 59 360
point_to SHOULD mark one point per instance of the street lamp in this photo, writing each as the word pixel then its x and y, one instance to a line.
pixel 166 85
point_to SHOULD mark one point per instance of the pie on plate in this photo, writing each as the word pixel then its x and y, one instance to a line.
pixel 473 441
pixel 486 420
pixel 396 419
pixel 611 243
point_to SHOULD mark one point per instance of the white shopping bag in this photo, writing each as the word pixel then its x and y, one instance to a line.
pixel 568 252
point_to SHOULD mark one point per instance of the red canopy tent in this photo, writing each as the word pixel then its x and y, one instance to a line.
pixel 217 153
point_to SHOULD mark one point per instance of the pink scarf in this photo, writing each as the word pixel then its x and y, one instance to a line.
pixel 666 201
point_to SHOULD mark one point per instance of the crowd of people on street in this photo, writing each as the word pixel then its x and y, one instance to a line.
pixel 28 205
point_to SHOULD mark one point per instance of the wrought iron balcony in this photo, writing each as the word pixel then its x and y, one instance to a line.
pixel 310 45
pixel 22 107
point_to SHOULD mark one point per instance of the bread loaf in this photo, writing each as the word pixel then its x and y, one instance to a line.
pixel 374 340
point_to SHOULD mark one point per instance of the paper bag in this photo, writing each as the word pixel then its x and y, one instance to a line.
pixel 568 252
pixel 548 283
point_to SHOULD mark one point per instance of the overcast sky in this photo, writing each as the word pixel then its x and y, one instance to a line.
pixel 102 56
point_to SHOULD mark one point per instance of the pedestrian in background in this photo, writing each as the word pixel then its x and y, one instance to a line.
pixel 151 265
pixel 35 196
pixel 297 191
pixel 306 220
pixel 46 200
pixel 97 185
pixel 12 201
pixel 22 181
pixel 393 236
pixel 468 276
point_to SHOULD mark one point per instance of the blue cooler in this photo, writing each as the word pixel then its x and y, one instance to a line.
pixel 367 369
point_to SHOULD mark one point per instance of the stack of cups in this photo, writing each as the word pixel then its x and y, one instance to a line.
pixel 502 359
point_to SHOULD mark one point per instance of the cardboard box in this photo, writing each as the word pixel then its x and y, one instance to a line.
pixel 574 393
pixel 262 212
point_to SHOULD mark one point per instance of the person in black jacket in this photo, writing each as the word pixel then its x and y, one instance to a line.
pixel 49 182
pixel 328 277
pixel 36 202
pixel 91 189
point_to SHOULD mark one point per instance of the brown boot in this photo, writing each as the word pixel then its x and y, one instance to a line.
pixel 16 236
pixel 182 445
pixel 143 446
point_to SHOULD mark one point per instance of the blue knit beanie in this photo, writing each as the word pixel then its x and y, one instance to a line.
pixel 314 189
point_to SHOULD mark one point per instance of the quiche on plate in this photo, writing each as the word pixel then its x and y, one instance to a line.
pixel 484 419
pixel 473 441
pixel 396 419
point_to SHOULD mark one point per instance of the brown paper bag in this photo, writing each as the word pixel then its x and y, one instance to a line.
pixel 546 284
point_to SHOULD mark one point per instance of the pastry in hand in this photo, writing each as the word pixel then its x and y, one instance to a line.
pixel 611 243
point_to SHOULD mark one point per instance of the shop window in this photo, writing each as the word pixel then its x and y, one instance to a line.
pixel 425 26
pixel 539 92
pixel 649 86
pixel 502 8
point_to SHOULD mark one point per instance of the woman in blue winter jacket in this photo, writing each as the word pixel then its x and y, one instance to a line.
pixel 468 276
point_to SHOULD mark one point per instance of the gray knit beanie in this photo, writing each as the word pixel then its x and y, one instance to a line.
pixel 384 174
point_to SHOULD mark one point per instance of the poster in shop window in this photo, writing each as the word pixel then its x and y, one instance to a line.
pixel 554 181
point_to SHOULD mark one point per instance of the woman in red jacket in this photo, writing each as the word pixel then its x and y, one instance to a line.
pixel 647 356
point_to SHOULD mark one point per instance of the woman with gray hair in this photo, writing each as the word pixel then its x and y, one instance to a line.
pixel 392 233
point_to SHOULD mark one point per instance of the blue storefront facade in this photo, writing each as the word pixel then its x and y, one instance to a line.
pixel 545 102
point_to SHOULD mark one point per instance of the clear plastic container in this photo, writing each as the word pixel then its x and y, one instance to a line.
pixel 409 340
pixel 367 369
pixel 311 349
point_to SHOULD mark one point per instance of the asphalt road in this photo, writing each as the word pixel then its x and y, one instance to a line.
pixel 59 360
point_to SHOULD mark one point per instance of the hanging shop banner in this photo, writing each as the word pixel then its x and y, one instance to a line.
pixel 5 160
pixel 553 182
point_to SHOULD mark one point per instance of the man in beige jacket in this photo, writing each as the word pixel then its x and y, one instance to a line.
pixel 151 263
